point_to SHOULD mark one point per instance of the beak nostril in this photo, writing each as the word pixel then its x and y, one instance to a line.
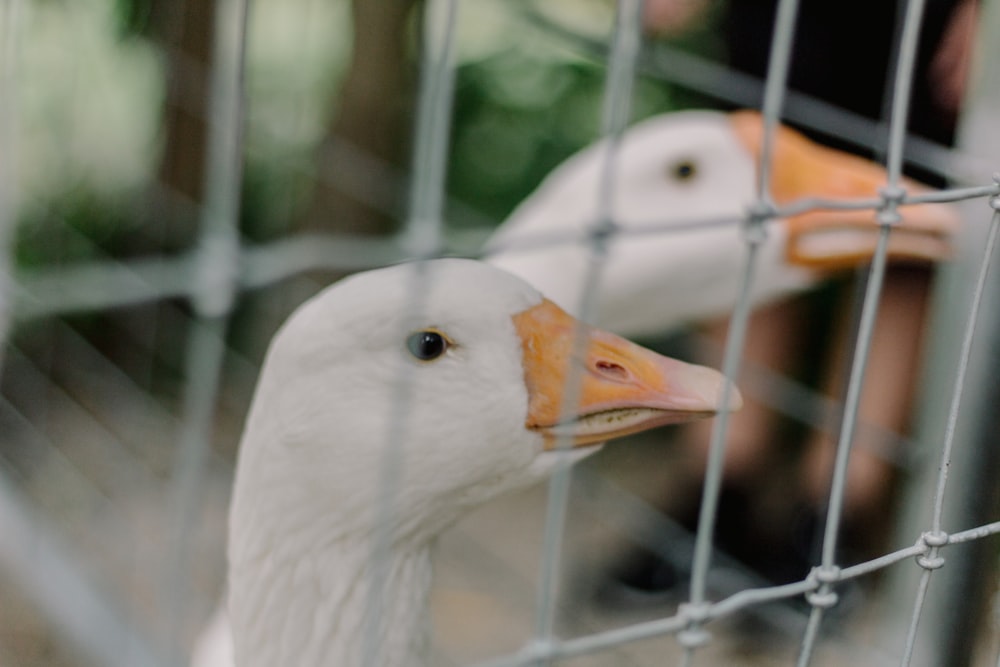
pixel 611 370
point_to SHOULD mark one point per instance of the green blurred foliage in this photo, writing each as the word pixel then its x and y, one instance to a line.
pixel 517 117
pixel 537 97
pixel 77 224
pixel 133 17
pixel 524 101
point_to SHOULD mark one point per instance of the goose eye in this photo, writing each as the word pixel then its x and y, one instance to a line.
pixel 684 170
pixel 426 345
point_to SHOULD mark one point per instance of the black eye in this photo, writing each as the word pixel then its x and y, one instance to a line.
pixel 426 345
pixel 684 170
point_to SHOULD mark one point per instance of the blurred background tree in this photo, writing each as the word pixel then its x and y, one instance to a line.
pixel 115 100
pixel 119 93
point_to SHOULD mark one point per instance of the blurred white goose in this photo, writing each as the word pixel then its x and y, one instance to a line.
pixel 486 359
pixel 685 171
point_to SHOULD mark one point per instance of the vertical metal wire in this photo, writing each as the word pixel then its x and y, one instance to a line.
pixel 625 47
pixel 9 19
pixel 887 217
pixel 218 253
pixel 217 258
pixel 755 233
pixel 936 538
pixel 422 238
pixel 892 194
pixel 902 86
pixel 824 598
pixel 944 635
pixel 424 226
pixel 774 91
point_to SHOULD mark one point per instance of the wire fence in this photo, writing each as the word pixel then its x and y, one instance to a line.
pixel 168 447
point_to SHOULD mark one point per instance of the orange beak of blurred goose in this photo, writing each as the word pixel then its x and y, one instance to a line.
pixel 623 388
pixel 830 240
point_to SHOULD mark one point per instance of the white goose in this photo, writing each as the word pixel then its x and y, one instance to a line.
pixel 686 168
pixel 486 358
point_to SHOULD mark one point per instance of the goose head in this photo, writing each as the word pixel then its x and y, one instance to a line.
pixel 437 386
pixel 678 178
pixel 457 370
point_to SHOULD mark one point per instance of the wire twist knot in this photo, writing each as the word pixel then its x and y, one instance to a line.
pixel 599 233
pixel 825 575
pixel 892 194
pixel 694 635
pixel 930 562
pixel 937 538
pixel 758 213
pixel 217 269
pixel 539 648
pixel 888 217
pixel 824 599
pixel 932 541
pixel 892 197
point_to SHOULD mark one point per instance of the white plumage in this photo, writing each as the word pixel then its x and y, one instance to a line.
pixel 485 360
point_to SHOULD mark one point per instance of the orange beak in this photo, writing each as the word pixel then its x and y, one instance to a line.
pixel 833 240
pixel 624 388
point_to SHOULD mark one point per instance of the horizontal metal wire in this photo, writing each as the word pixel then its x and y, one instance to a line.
pixel 218 270
pixel 715 611
pixel 109 283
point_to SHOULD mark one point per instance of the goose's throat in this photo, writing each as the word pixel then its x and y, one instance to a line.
pixel 318 609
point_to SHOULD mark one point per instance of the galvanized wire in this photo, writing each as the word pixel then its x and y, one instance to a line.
pixel 675 624
pixel 825 598
pixel 110 283
pixel 215 268
pixel 220 268
pixel 615 116
pixel 887 217
pixel 422 238
pixel 936 535
pixel 755 231
pixel 424 226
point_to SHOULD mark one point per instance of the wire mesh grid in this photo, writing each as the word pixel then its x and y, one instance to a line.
pixel 64 508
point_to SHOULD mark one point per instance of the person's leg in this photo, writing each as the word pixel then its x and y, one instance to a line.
pixel 886 400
